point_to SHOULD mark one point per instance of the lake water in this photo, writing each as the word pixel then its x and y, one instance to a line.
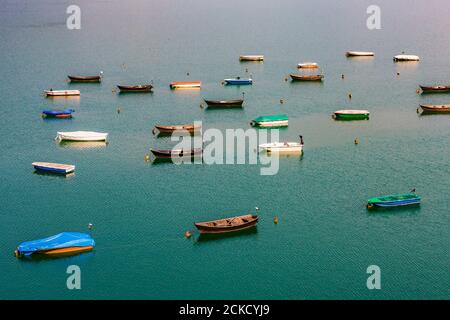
pixel 325 238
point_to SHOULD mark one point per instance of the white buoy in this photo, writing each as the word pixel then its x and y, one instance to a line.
pixel 90 226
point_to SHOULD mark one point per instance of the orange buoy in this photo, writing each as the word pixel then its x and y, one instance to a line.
pixel 275 220
pixel 147 157
pixel 188 234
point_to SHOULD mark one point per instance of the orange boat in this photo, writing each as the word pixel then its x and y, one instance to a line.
pixel 185 85
pixel 67 251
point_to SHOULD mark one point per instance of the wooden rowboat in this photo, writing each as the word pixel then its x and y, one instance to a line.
pixel 426 89
pixel 176 153
pixel 185 85
pixel 396 200
pixel 228 224
pixel 139 88
pixel 60 93
pixel 191 128
pixel 359 54
pixel 225 103
pixel 84 78
pixel 59 168
pixel 429 108
pixel 251 58
pixel 298 77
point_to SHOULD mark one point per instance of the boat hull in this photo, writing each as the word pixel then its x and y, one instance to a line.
pixel 270 124
pixel 351 116
pixel 185 85
pixel 295 77
pixel 436 89
pixel 238 82
pixel 179 128
pixel 54 167
pixel 61 93
pixel 224 103
pixel 399 200
pixel 176 154
pixel 436 108
pixel 142 88
pixel 359 54
pixel 63 252
pixel 222 227
pixel 251 58
pixel 282 148
pixel 84 79
pixel 67 136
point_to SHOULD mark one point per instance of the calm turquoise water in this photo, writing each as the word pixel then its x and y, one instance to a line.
pixel 325 238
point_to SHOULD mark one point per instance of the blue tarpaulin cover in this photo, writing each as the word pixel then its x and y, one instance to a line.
pixel 61 240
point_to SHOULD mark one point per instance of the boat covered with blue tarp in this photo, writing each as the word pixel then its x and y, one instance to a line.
pixel 65 243
pixel 66 113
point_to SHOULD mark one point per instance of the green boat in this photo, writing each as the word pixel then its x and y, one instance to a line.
pixel 396 200
pixel 277 120
pixel 351 115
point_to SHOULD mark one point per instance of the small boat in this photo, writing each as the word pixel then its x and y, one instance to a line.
pixel 281 147
pixel 359 54
pixel 138 88
pixel 54 167
pixel 396 200
pixel 429 108
pixel 85 78
pixel 308 65
pixel 278 120
pixel 61 93
pixel 351 115
pixel 67 113
pixel 81 136
pixel 228 224
pixel 191 128
pixel 251 58
pixel 238 81
pixel 62 244
pixel 299 77
pixel 225 103
pixel 185 85
pixel 426 89
pixel 406 57
pixel 176 153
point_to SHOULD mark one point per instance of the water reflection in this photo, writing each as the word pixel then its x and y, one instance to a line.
pixel 207 237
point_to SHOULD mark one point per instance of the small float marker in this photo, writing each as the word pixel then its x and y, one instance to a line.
pixel 147 157
pixel 275 220
pixel 90 226
pixel 356 141
pixel 350 96
pixel 188 234
pixel 281 101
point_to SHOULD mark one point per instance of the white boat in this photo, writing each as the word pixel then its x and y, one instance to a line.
pixel 81 136
pixel 54 93
pixel 251 58
pixel 281 147
pixel 54 167
pixel 307 65
pixel 406 57
pixel 359 54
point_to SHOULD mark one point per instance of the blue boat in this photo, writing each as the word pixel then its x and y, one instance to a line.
pixel 62 244
pixel 396 200
pixel 238 81
pixel 67 113
pixel 59 168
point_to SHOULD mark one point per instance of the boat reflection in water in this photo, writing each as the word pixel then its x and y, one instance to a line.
pixel 51 174
pixel 83 145
pixel 205 237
